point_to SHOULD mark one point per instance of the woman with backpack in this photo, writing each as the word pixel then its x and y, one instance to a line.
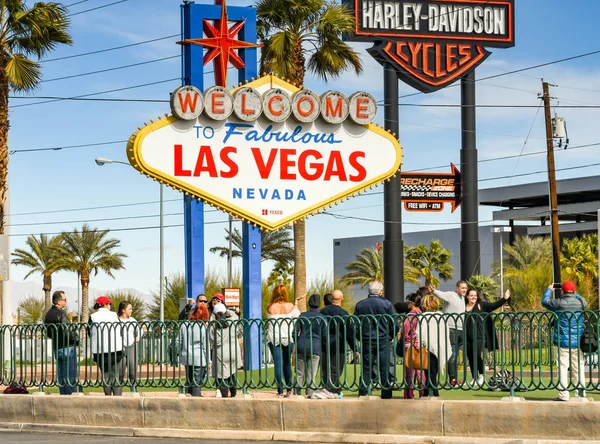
pixel 476 329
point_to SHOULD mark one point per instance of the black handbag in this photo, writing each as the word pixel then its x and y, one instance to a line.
pixel 588 343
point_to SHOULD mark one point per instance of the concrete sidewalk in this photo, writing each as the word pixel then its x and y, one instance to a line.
pixel 364 420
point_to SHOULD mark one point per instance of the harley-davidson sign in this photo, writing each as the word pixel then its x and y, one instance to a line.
pixel 267 152
pixel 432 43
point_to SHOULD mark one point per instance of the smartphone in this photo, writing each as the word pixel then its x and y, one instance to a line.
pixel 557 286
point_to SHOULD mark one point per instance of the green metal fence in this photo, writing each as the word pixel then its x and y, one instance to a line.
pixel 516 350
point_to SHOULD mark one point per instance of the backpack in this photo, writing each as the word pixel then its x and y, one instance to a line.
pixel 588 343
pixel 16 389
pixel 503 380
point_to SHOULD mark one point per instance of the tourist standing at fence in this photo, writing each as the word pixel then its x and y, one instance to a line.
pixel 227 356
pixel 568 328
pixel 65 341
pixel 195 353
pixel 435 336
pixel 311 333
pixel 376 338
pixel 414 377
pixel 281 314
pixel 107 346
pixel 341 332
pixel 454 305
pixel 131 337
pixel 477 332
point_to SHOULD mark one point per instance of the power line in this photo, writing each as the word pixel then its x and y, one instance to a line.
pixel 76 3
pixel 116 68
pixel 99 51
pixel 124 229
pixel 96 8
pixel 102 92
pixel 516 71
pixel 57 148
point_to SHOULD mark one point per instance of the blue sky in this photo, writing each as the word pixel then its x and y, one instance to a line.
pixel 53 183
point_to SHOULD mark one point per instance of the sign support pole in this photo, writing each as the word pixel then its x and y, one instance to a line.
pixel 193 209
pixel 393 246
pixel 469 231
pixel 251 237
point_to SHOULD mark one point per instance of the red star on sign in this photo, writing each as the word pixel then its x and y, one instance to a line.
pixel 221 44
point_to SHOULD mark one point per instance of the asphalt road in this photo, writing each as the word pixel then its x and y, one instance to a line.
pixel 52 438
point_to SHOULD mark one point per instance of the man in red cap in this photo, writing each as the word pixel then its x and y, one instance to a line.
pixel 568 328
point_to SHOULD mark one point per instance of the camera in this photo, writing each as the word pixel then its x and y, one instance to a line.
pixel 557 286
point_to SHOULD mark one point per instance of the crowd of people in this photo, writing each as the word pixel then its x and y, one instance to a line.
pixel 319 340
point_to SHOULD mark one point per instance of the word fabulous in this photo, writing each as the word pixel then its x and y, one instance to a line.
pixel 276 105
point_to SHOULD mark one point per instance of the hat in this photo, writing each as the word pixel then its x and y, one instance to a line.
pixel 314 301
pixel 569 287
pixel 219 308
pixel 219 296
pixel 103 300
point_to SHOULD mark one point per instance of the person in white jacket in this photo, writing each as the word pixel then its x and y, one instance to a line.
pixel 195 351
pixel 435 335
pixel 454 305
pixel 107 346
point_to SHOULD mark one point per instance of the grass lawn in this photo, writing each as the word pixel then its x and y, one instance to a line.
pixel 262 377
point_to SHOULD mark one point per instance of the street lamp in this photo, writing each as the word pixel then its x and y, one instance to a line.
pixel 100 161
pixel 501 230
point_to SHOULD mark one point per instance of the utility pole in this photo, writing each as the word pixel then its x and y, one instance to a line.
pixel 552 185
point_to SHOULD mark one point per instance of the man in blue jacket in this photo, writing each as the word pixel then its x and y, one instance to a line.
pixel 376 334
pixel 568 328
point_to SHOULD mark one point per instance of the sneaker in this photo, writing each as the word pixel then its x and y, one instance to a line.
pixel 559 399
pixel 455 382
pixel 218 394
pixel 481 380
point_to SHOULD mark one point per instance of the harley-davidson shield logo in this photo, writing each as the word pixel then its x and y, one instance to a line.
pixel 429 66
pixel 432 43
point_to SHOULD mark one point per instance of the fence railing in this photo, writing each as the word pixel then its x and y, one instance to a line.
pixel 509 351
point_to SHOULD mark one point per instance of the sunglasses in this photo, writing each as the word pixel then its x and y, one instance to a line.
pixel 202 301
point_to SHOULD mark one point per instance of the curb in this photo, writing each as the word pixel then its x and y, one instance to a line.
pixel 233 435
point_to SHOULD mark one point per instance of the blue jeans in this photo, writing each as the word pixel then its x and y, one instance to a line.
pixel 282 360
pixel 194 376
pixel 66 369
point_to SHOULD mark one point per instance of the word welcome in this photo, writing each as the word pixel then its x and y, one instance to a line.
pixel 276 105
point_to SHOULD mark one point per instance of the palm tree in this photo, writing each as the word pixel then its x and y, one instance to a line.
pixel 368 267
pixel 276 246
pixel 89 251
pixel 292 31
pixel 24 32
pixel 31 310
pixel 426 261
pixel 579 261
pixel 41 258
pixel 528 270
pixel 174 291
pixel 281 275
pixel 485 285
pixel 137 303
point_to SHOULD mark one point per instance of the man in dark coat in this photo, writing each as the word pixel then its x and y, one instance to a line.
pixel 376 334
pixel 341 332
pixel 311 331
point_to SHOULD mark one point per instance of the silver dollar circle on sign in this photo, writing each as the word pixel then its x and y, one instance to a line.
pixel 218 103
pixel 187 102
pixel 305 106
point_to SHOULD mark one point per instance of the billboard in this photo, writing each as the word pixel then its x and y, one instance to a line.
pixel 267 152
pixel 432 43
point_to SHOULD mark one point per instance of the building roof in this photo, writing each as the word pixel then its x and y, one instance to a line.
pixel 578 200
